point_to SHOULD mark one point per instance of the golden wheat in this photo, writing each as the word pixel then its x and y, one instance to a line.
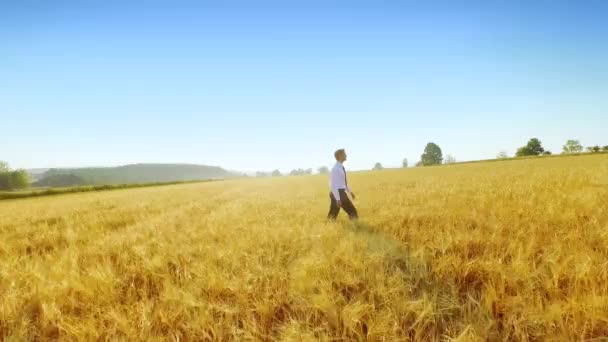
pixel 514 250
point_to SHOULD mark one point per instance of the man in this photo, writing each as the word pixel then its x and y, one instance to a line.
pixel 339 188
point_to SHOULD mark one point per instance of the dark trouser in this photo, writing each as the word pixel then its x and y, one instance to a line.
pixel 347 205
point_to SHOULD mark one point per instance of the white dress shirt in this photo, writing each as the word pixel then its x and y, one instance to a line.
pixel 337 180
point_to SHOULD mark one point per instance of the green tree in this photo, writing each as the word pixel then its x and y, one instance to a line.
pixel 4 181
pixel 594 149
pixel 533 148
pixel 276 173
pixel 432 155
pixel 404 163
pixel 378 166
pixel 11 180
pixel 449 159
pixel 324 170
pixel 4 175
pixel 605 148
pixel 547 153
pixel 19 179
pixel 523 151
pixel 572 146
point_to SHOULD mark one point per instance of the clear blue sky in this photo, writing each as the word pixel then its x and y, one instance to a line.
pixel 258 85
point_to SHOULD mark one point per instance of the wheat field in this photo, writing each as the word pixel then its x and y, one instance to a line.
pixel 504 251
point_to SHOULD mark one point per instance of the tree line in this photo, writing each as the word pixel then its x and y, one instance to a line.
pixel 294 172
pixel 433 155
pixel 12 179
pixel 574 146
pixel 534 148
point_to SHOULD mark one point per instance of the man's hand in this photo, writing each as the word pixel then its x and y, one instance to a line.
pixel 339 204
pixel 352 194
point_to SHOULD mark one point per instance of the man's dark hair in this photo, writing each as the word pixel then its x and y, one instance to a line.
pixel 338 153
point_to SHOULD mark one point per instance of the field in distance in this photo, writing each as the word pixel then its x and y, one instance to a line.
pixel 513 250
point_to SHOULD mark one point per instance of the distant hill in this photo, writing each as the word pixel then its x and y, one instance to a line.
pixel 36 174
pixel 59 180
pixel 135 173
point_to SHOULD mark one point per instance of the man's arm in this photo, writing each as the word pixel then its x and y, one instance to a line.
pixel 348 189
pixel 334 181
pixel 352 194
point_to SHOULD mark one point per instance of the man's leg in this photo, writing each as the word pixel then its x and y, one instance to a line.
pixel 333 208
pixel 348 206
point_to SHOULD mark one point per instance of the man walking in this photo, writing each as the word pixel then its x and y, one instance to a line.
pixel 339 189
